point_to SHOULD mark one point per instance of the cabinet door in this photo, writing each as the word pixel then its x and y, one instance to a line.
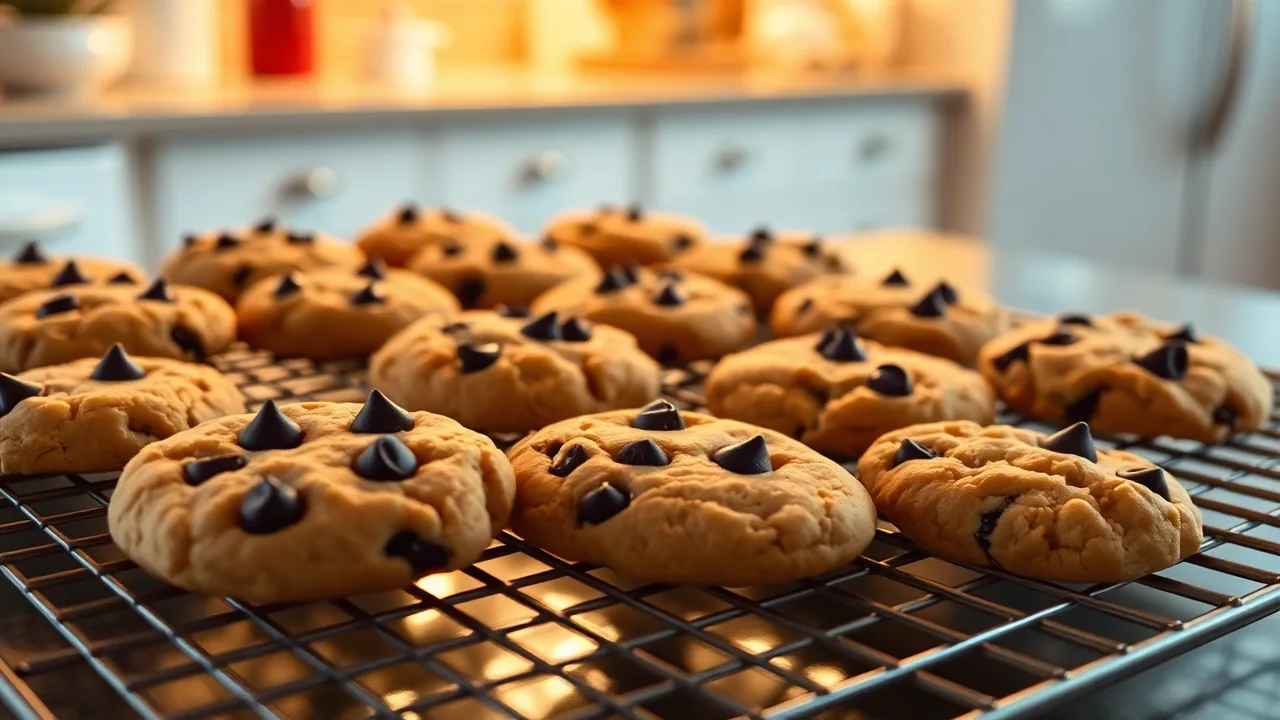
pixel 870 141
pixel 335 181
pixel 75 200
pixel 527 170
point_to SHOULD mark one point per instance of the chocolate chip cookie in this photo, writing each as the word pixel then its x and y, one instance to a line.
pixel 1124 373
pixel 675 497
pixel 676 316
pixel 228 262
pixel 95 414
pixel 311 500
pixel 934 319
pixel 617 235
pixel 1052 508
pixel 511 374
pixel 337 313
pixel 765 264
pixel 31 269
pixel 408 229
pixel 837 393
pixel 49 327
pixel 488 270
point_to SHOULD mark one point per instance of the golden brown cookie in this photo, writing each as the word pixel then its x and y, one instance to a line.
pixel 504 374
pixel 49 327
pixel 1052 508
pixel 675 497
pixel 676 316
pixel 228 262
pixel 337 313
pixel 407 230
pixel 622 235
pixel 488 270
pixel 765 264
pixel 837 393
pixel 311 500
pixel 97 413
pixel 31 270
pixel 892 310
pixel 1124 373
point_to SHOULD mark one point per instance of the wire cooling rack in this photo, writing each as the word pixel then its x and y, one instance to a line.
pixel 86 633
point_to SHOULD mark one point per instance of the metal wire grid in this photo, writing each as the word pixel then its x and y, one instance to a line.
pixel 525 634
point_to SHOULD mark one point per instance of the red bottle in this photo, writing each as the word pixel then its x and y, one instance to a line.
pixel 281 37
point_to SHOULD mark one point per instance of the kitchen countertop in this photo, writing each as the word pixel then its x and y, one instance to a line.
pixel 129 110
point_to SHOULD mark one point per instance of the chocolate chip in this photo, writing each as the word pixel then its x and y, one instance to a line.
pixel 1019 353
pixel 122 278
pixel 452 249
pixel 1224 415
pixel 58 305
pixel 469 292
pixel 670 296
pixel 381 416
pixel 188 342
pixel 545 327
pixel 387 459
pixel 158 291
pixel 368 295
pixel 753 253
pixel 631 272
pixel 840 344
pixel 373 268
pixel 1060 337
pixel 242 275
pixel 909 449
pixel 602 503
pixel 300 238
pixel 189 240
pixel 1074 440
pixel 550 244
pixel 933 304
pixel 69 275
pixel 642 452
pixel 567 463
pixel 949 293
pixel 31 254
pixel 1186 333
pixel 1167 361
pixel 116 366
pixel 270 429
pixel 805 305
pixel 1152 478
pixel 226 242
pixel 761 235
pixel 635 212
pixel 450 215
pixel 659 415
pixel 288 286
pixel 14 391
pixel 515 310
pixel 613 281
pixel 271 506
pixel 681 242
pixel 455 327
pixel 476 357
pixel 896 278
pixel 813 248
pixel 423 556
pixel 1082 409
pixel 575 330
pixel 668 354
pixel 199 472
pixel 890 380
pixel 749 457
pixel 987 522
pixel 408 214
pixel 268 224
pixel 504 252
pixel 1075 319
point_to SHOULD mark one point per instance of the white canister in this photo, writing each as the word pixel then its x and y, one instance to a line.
pixel 177 40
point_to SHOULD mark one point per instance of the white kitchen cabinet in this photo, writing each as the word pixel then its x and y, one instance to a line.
pixel 862 142
pixel 527 170
pixel 336 181
pixel 75 200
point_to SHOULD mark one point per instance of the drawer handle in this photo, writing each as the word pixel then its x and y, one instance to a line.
pixel 544 167
pixel 314 184
pixel 730 158
pixel 873 147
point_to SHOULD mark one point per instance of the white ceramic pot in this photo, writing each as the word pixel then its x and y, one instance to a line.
pixel 75 55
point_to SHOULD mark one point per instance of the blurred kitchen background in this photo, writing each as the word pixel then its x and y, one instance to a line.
pixel 1137 134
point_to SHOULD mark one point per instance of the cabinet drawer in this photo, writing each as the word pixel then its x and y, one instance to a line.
pixel 869 140
pixel 528 170
pixel 332 181
pixel 75 200
pixel 723 153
